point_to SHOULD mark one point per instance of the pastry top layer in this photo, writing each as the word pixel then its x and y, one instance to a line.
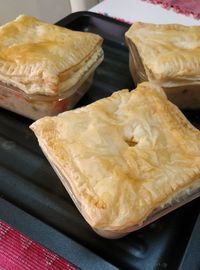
pixel 123 156
pixel 169 52
pixel 37 57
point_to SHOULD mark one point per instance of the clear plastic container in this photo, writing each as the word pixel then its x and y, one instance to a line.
pixel 38 106
pixel 184 95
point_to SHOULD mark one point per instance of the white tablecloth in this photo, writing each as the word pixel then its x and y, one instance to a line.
pixel 138 10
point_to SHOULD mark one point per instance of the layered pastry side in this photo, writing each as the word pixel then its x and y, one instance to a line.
pixel 44 67
pixel 125 160
pixel 168 55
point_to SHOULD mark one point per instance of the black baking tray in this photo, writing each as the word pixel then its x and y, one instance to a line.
pixel 34 201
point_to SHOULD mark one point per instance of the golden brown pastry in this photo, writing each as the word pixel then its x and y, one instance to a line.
pixel 169 55
pixel 40 58
pixel 122 157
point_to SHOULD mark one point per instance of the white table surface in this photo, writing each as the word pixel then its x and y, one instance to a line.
pixel 138 10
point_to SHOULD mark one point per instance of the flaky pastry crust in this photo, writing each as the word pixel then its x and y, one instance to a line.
pixel 123 156
pixel 170 53
pixel 40 58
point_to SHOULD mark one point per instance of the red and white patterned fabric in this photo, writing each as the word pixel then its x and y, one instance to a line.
pixel 164 3
pixel 191 7
pixel 186 7
pixel 18 252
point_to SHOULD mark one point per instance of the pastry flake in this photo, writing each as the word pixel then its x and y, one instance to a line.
pixel 40 58
pixel 122 157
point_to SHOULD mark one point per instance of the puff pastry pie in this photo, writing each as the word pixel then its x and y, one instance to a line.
pixel 40 58
pixel 170 55
pixel 123 156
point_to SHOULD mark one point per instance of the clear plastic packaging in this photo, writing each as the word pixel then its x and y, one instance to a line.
pixel 38 106
pixel 184 95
